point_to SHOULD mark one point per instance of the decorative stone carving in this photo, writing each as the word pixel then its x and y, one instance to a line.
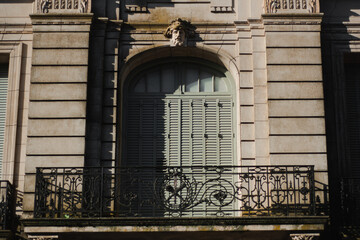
pixel 44 6
pixel 291 6
pixel 178 32
pixel 304 4
pixel 272 6
pixel 221 6
pixel 83 6
pixel 313 6
pixel 285 4
pixel 136 6
pixel 305 236
pixel 63 6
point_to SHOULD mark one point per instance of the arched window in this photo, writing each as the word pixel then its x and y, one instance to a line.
pixel 179 113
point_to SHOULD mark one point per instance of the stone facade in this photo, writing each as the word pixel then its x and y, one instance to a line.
pixel 71 62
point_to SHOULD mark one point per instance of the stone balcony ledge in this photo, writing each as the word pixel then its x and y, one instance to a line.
pixel 241 224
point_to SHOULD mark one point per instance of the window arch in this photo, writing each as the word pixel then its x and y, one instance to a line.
pixel 165 79
pixel 179 112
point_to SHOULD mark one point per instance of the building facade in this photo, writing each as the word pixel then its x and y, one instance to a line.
pixel 173 119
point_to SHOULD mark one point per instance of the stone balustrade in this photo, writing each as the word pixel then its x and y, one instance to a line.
pixel 63 6
pixel 291 6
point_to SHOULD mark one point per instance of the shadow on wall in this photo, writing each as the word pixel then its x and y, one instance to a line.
pixel 340 10
pixel 342 106
pixel 111 44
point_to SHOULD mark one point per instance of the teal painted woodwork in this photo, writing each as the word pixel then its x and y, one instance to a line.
pixel 3 103
pixel 180 114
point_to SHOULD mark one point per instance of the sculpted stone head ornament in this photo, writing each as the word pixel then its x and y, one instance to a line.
pixel 178 32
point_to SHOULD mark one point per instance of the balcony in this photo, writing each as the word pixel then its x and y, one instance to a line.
pixel 350 207
pixel 7 210
pixel 179 192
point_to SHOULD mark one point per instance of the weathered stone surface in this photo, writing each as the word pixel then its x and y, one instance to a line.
pixel 294 73
pixel 293 39
pixel 248 150
pixel 56 146
pixel 58 92
pixel 247 114
pixel 60 57
pixel 295 90
pixel 62 40
pixel 296 108
pixel 247 132
pixel 246 96
pixel 297 144
pixel 293 56
pixel 297 126
pixel 57 110
pixel 59 74
pixel 56 127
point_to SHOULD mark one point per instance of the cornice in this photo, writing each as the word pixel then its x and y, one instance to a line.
pixel 62 18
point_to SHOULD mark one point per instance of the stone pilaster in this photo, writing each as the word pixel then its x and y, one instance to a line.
pixel 58 94
pixel 295 89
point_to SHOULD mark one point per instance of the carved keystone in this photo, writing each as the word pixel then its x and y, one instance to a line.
pixel 179 31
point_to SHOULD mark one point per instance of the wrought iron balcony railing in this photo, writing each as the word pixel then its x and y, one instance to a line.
pixel 350 201
pixel 197 191
pixel 7 205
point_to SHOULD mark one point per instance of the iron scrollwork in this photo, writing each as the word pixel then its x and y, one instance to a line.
pixel 192 191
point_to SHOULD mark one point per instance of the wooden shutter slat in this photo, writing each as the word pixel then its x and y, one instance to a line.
pixel 4 68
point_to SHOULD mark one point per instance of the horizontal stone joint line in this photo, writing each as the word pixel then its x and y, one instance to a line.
pixel 295 99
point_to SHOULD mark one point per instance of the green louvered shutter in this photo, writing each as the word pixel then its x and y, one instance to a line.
pixel 182 128
pixel 3 102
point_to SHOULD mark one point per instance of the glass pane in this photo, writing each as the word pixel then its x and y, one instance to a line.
pixel 153 81
pixel 168 80
pixel 220 84
pixel 206 83
pixel 140 86
pixel 192 80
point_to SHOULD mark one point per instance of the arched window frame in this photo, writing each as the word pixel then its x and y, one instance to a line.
pixel 131 80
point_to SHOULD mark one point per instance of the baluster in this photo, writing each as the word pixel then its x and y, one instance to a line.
pixel 291 4
pixel 304 4
pixel 285 5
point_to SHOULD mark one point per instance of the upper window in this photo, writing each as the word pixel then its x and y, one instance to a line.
pixel 180 78
pixel 178 113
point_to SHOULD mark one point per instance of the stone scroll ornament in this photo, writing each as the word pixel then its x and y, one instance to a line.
pixel 313 6
pixel 179 32
pixel 83 6
pixel 272 6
